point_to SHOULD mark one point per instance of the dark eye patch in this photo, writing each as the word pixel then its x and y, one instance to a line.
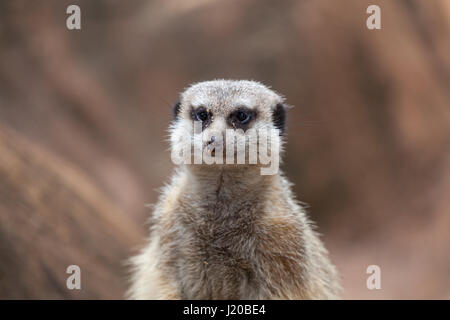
pixel 176 110
pixel 241 118
pixel 279 118
pixel 202 114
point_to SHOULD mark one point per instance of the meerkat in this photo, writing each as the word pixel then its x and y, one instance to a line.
pixel 225 231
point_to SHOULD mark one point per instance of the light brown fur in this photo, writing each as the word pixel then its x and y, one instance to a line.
pixel 226 231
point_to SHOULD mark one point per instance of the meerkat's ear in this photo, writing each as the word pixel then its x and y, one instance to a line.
pixel 176 110
pixel 279 117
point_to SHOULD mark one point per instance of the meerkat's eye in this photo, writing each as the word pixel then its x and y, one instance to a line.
pixel 243 117
pixel 201 114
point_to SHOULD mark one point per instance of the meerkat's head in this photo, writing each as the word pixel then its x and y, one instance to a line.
pixel 208 110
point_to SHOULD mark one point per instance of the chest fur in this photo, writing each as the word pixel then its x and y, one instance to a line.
pixel 217 254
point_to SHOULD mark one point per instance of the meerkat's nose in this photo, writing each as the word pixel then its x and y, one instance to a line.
pixel 213 138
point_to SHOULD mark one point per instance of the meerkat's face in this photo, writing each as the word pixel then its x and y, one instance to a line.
pixel 207 110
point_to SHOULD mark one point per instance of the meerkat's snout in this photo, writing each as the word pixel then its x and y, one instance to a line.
pixel 213 140
pixel 212 145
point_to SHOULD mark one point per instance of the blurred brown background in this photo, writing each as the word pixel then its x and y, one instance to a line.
pixel 83 119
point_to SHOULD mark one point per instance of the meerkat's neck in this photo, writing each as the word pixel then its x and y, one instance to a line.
pixel 229 186
pixel 229 180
